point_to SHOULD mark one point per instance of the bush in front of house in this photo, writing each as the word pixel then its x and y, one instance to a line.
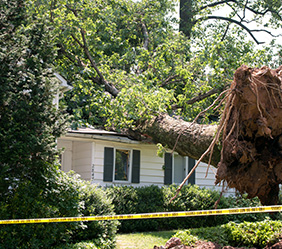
pixel 65 196
pixel 96 202
pixel 130 200
pixel 59 197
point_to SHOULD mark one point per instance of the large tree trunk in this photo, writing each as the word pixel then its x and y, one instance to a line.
pixel 186 139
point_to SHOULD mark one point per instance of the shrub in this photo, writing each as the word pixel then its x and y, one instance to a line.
pixel 191 197
pixel 59 198
pixel 130 200
pixel 65 196
pixel 252 234
pixel 186 237
pixel 96 203
pixel 80 245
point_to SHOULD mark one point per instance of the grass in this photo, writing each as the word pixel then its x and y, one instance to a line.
pixel 146 240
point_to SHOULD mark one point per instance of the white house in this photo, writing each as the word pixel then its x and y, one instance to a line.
pixel 107 158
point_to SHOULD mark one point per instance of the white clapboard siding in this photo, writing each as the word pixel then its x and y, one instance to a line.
pixel 82 159
pixel 66 158
pixel 209 181
pixel 86 157
pixel 150 166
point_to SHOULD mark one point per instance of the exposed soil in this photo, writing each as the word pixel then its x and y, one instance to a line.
pixel 251 156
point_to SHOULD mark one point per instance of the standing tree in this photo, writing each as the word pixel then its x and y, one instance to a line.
pixel 132 71
pixel 244 14
pixel 30 185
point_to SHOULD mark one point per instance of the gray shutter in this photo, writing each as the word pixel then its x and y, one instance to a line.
pixel 135 166
pixel 108 164
pixel 168 169
pixel 191 164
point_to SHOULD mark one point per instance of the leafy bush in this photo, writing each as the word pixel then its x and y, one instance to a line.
pixel 65 196
pixel 252 234
pixel 96 202
pixel 59 198
pixel 248 234
pixel 191 197
pixel 130 200
pixel 79 245
pixel 186 237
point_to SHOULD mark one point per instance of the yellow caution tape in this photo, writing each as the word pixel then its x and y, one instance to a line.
pixel 149 215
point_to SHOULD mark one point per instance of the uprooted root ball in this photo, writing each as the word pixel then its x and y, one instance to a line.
pixel 251 130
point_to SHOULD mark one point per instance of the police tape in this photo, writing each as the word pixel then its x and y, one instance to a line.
pixel 262 209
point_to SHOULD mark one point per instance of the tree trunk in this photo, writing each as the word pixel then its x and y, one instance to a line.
pixel 186 16
pixel 186 139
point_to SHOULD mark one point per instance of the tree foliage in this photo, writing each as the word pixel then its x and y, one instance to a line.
pixel 29 121
pixel 127 60
pixel 30 186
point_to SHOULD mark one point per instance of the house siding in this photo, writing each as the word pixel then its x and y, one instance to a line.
pixel 87 159
pixel 150 164
pixel 66 161
pixel 82 159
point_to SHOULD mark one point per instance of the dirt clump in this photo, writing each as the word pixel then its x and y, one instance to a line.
pixel 251 127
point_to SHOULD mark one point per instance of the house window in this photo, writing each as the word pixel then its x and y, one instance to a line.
pixel 121 165
pixel 176 169
pixel 179 168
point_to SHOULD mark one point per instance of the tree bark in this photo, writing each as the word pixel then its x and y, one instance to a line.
pixel 183 137
pixel 186 16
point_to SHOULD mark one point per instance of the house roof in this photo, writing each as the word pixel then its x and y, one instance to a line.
pixel 63 83
pixel 92 133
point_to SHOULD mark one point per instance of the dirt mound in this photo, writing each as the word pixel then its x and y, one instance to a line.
pixel 251 156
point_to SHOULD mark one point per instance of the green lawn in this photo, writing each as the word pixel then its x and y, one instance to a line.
pixel 146 240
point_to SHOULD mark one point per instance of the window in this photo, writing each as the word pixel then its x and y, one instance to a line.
pixel 121 165
pixel 176 169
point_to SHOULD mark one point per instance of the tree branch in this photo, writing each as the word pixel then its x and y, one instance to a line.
pixel 146 36
pixel 231 21
pixel 215 4
pixel 198 98
pixel 170 80
pixel 108 87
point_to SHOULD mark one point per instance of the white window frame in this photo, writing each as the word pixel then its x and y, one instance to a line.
pixel 130 165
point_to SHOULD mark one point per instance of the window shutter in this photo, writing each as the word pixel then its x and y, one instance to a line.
pixel 168 169
pixel 191 164
pixel 135 166
pixel 108 164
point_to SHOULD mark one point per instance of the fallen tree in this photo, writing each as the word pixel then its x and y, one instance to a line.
pixel 249 156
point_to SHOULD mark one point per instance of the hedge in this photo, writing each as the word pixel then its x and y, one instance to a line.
pixel 132 200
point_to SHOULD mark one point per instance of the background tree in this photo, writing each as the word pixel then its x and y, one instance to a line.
pixel 244 14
